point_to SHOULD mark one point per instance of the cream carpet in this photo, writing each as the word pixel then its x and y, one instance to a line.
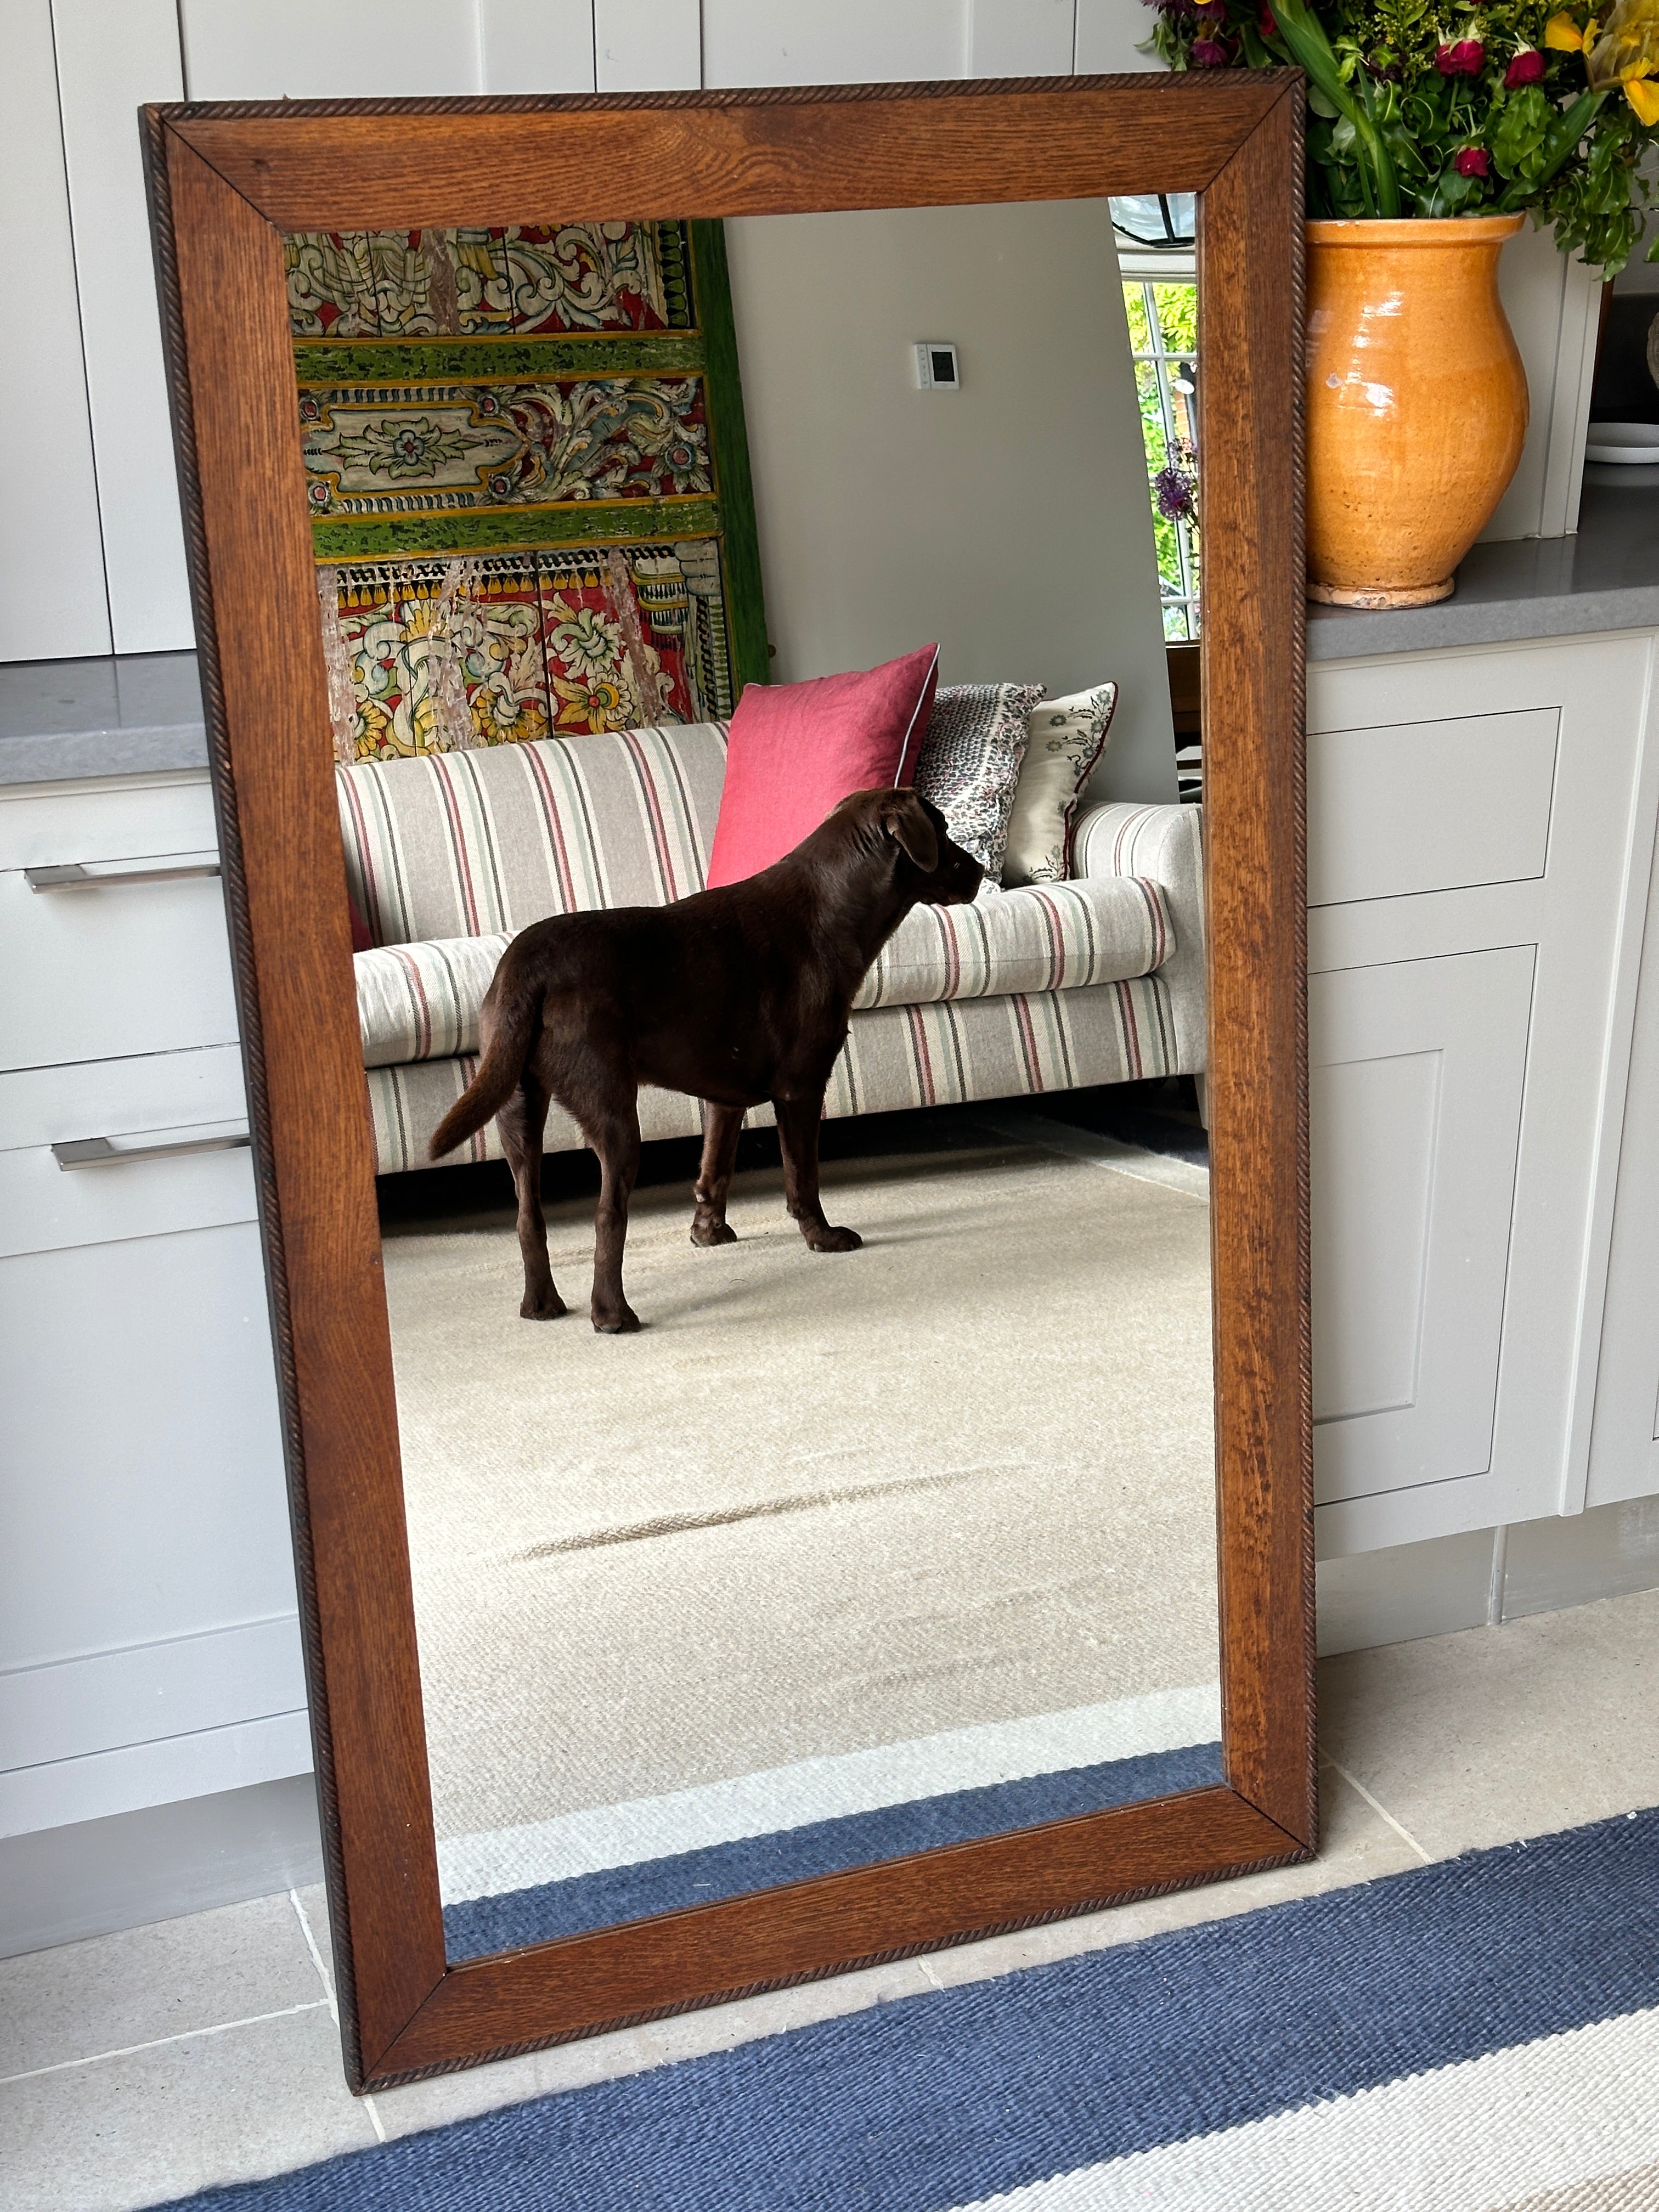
pixel 820 1503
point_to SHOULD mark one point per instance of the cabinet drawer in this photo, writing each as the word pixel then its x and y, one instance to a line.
pixel 1430 807
pixel 158 1099
pixel 41 826
pixel 114 968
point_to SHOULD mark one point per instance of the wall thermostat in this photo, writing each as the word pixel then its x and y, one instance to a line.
pixel 936 366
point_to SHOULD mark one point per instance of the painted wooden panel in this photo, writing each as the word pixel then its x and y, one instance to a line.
pixel 1428 806
pixel 99 972
pixel 43 825
pixel 647 46
pixel 536 45
pixel 1625 1441
pixel 47 1208
pixel 1554 303
pixel 1109 36
pixel 1417 1073
pixel 108 1699
pixel 149 1091
pixel 167 1771
pixel 111 55
pixel 1582 916
pixel 52 600
pixel 854 42
pixel 1021 38
pixel 303 50
pixel 174 1458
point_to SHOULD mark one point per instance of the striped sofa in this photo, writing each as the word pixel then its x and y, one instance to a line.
pixel 1098 980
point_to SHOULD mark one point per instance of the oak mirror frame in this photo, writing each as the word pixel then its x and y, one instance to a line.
pixel 225 182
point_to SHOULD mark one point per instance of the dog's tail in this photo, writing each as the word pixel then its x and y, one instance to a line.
pixel 500 1073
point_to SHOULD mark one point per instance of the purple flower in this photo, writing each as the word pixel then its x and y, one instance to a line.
pixel 1466 58
pixel 1473 161
pixel 1526 68
pixel 1172 490
pixel 1209 53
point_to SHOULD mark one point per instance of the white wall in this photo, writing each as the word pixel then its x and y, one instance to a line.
pixel 1009 520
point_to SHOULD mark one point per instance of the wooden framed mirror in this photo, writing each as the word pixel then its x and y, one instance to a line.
pixel 232 189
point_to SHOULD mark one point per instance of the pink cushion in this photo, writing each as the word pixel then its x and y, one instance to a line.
pixel 798 749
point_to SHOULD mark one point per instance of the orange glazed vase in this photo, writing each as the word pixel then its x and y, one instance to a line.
pixel 1417 404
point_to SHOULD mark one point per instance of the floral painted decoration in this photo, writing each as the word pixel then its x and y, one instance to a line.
pixel 1519 106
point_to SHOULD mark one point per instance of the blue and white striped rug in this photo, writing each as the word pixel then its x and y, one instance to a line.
pixel 1481 2035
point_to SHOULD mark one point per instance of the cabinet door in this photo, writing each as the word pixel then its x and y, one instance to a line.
pixel 149 1648
pixel 1625 1440
pixel 1416 1079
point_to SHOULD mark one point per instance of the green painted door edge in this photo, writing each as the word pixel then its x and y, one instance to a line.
pixel 734 487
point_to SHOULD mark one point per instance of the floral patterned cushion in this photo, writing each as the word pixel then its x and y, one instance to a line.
pixel 1065 738
pixel 969 763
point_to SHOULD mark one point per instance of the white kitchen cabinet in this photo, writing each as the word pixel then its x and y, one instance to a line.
pixel 149 1638
pixel 1480 827
pixel 1416 1081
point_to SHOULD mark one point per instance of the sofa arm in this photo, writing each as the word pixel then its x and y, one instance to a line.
pixel 1167 844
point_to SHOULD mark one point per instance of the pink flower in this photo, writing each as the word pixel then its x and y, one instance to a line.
pixel 1473 161
pixel 1526 68
pixel 1466 58
pixel 1266 24
pixel 1209 53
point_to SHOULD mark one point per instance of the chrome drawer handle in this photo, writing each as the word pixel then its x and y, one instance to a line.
pixel 75 876
pixel 99 1152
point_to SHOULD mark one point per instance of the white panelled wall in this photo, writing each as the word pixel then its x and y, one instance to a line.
pixel 93 562
pixel 92 558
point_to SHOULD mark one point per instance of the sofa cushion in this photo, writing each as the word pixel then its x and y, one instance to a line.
pixel 422 1001
pixel 1065 739
pixel 894 1057
pixel 464 844
pixel 797 750
pixel 1053 936
pixel 969 765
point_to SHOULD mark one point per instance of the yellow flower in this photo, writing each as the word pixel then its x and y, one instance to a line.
pixel 1627 50
pixel 1643 97
pixel 1564 35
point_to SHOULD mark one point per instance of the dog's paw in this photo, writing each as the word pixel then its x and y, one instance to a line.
pixel 835 1240
pixel 622 1323
pixel 544 1306
pixel 713 1232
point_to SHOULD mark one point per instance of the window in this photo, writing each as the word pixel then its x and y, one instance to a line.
pixel 1160 296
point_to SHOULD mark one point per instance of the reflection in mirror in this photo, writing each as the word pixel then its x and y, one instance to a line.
pixel 859 1545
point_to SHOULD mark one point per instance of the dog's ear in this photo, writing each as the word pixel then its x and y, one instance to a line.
pixel 904 818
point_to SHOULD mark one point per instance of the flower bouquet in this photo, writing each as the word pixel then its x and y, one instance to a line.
pixel 1510 108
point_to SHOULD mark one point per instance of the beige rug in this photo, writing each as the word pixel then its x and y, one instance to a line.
pixel 820 1503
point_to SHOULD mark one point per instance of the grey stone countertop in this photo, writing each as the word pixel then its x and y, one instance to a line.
pixel 1606 578
pixel 139 713
pixel 124 716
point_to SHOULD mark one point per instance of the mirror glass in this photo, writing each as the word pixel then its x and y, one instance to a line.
pixel 843 1553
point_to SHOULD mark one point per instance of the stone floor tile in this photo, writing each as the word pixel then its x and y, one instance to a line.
pixel 182 2116
pixel 1492 1734
pixel 82 1999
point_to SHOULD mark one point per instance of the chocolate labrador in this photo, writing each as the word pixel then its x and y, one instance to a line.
pixel 736 995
